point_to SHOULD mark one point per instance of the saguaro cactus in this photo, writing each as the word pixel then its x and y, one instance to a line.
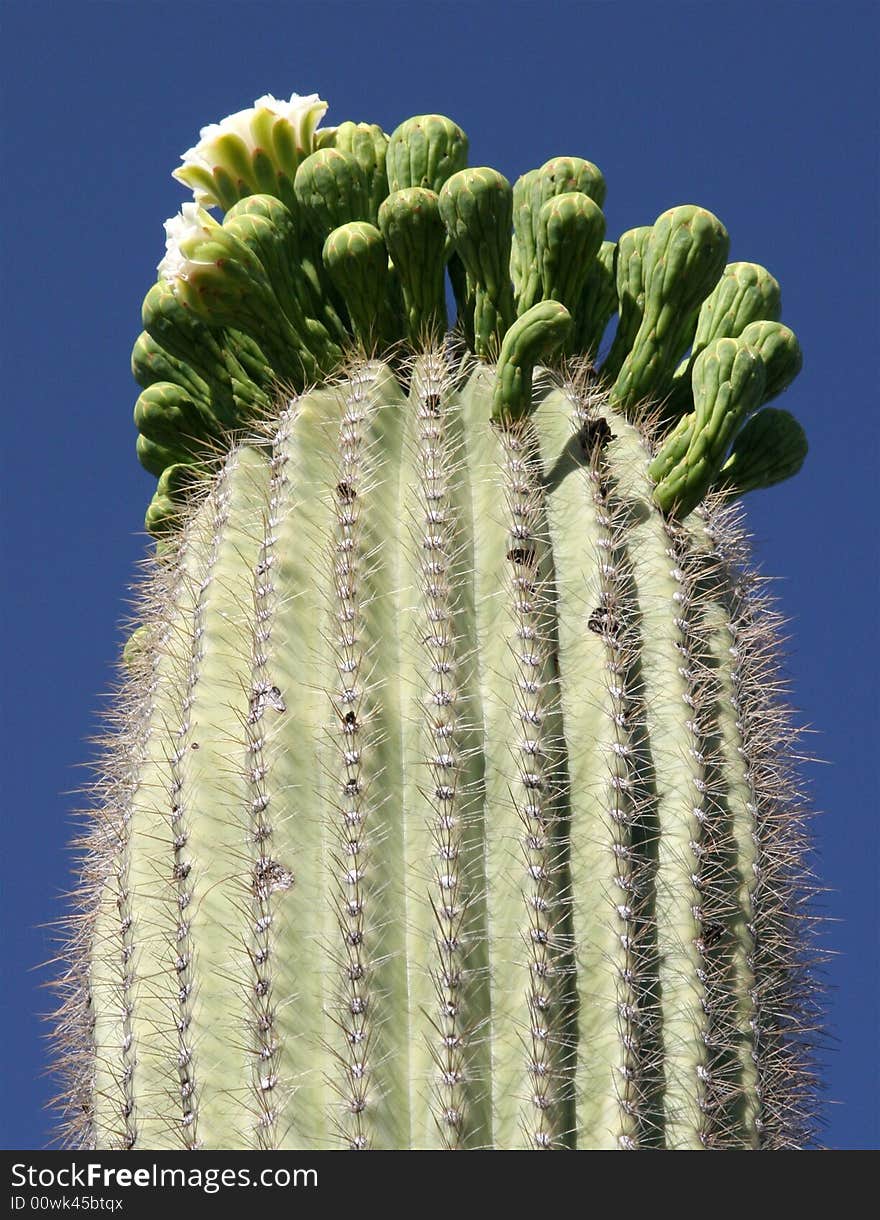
pixel 450 803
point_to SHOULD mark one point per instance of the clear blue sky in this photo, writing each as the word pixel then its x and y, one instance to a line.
pixel 764 113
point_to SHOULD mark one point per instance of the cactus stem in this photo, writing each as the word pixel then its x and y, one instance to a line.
pixel 445 899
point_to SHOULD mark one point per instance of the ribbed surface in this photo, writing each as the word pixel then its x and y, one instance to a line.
pixel 443 817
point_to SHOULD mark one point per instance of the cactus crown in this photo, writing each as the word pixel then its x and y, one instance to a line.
pixel 335 238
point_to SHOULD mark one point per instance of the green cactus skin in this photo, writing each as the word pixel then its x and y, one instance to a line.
pixel 450 807
pixel 387 856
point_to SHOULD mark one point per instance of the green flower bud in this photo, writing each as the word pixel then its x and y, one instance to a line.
pixel 598 300
pixel 150 362
pixel 425 151
pixel 167 415
pixel 537 335
pixel 683 260
pixel 267 228
pixel 155 457
pixel 331 189
pixel 219 279
pixel 630 280
pixel 476 206
pixel 558 176
pixel 416 239
pixel 728 380
pixel 569 232
pixel 357 262
pixel 745 293
pixel 368 144
pixel 780 352
pixel 771 447
pixel 176 483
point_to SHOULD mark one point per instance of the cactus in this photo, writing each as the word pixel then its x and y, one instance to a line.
pixel 450 805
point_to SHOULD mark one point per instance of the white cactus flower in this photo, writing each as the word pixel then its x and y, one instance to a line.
pixel 251 129
pixel 191 221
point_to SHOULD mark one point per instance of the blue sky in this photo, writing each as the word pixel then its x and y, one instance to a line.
pixel 764 113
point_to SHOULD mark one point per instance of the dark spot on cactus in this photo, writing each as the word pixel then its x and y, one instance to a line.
pixel 594 436
pixel 261 696
pixel 712 933
pixel 432 405
pixel 194 746
pixel 523 556
pixel 269 877
pixel 350 721
pixel 601 621
pixel 346 492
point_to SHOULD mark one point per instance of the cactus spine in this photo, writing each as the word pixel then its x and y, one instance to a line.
pixel 450 807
